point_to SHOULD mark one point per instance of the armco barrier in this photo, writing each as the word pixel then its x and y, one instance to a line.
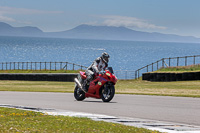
pixel 171 76
pixel 68 77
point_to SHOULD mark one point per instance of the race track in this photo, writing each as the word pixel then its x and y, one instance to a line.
pixel 169 109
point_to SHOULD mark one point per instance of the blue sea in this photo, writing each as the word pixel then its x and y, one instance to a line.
pixel 124 55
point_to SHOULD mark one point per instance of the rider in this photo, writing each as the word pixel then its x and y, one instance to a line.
pixel 96 67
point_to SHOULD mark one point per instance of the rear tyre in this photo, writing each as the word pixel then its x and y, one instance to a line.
pixel 108 93
pixel 79 94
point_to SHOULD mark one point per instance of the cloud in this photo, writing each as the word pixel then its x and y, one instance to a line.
pixel 8 19
pixel 129 22
pixel 12 10
pixel 5 11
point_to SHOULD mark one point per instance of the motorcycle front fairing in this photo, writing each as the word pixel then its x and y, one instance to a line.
pixel 110 77
pixel 83 75
pixel 95 85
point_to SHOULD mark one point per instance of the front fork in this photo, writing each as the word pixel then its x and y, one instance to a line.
pixel 107 86
pixel 79 83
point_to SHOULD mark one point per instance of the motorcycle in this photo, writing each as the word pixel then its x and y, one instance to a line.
pixel 101 87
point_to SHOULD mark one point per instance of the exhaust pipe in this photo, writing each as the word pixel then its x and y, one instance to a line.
pixel 79 84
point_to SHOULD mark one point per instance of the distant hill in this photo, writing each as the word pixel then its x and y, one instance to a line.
pixel 8 30
pixel 120 33
pixel 96 32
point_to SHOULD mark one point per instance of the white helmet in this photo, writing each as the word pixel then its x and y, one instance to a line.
pixel 105 57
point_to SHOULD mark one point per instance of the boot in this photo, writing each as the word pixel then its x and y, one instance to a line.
pixel 85 85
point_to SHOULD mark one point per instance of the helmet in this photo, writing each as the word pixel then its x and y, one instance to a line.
pixel 105 57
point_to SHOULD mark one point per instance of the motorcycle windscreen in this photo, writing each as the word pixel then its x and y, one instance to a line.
pixel 111 70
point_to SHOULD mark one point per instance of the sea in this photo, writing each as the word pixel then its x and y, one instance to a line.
pixel 124 55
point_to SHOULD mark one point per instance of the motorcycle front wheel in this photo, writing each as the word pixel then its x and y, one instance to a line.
pixel 108 93
pixel 79 94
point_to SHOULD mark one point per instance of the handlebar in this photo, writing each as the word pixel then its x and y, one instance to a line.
pixel 102 73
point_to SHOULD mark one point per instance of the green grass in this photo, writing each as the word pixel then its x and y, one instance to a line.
pixel 190 68
pixel 36 86
pixel 14 120
pixel 139 87
pixel 177 88
pixel 38 71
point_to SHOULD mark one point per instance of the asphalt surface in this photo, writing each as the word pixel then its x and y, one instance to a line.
pixel 163 108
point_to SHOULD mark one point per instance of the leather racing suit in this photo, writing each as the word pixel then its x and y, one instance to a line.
pixel 97 66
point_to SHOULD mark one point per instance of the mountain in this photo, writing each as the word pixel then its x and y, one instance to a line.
pixel 96 32
pixel 8 30
pixel 121 33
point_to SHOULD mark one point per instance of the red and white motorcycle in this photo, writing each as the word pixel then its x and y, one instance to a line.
pixel 101 87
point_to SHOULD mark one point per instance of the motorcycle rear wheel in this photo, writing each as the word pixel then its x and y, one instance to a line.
pixel 108 94
pixel 79 94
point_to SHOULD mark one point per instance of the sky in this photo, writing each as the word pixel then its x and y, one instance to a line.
pixel 181 17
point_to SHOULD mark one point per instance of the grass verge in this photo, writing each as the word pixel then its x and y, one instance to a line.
pixel 14 120
pixel 177 88
pixel 36 86
pixel 190 68
pixel 140 87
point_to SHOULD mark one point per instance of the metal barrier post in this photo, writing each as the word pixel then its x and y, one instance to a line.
pixel 185 60
pixel 177 61
pixel 14 65
pixel 66 65
pixel 163 62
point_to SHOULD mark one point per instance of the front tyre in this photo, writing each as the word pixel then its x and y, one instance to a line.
pixel 108 93
pixel 79 94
